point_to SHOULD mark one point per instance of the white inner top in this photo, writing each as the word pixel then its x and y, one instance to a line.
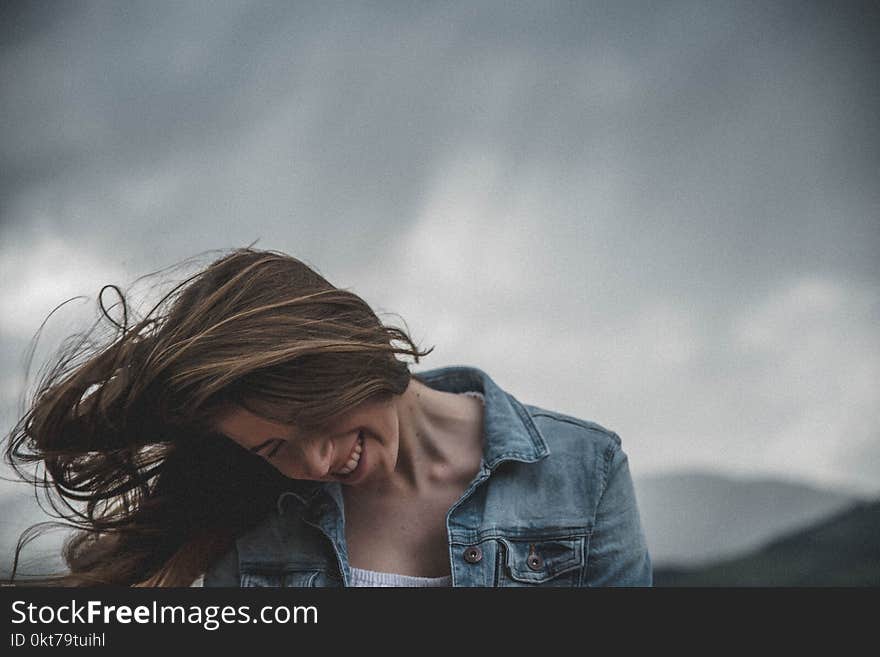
pixel 363 577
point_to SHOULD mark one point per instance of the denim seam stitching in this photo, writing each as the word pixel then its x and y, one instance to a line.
pixel 582 425
pixel 610 453
pixel 526 537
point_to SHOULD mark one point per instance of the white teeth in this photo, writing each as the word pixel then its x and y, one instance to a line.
pixel 354 458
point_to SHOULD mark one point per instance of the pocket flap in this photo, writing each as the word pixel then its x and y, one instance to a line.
pixel 268 575
pixel 537 560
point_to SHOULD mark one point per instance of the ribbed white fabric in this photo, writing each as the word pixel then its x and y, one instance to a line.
pixel 362 577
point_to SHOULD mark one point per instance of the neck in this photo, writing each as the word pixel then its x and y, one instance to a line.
pixel 439 440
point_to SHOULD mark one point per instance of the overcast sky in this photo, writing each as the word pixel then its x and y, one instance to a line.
pixel 662 217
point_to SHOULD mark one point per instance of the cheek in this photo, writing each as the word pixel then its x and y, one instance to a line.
pixel 290 469
pixel 292 465
pixel 286 462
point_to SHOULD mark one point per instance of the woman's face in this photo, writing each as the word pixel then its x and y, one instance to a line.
pixel 367 437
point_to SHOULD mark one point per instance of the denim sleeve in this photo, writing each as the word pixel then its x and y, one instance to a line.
pixel 618 553
pixel 224 571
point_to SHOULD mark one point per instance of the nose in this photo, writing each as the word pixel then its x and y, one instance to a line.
pixel 317 458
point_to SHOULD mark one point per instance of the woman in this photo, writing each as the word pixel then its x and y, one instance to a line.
pixel 260 430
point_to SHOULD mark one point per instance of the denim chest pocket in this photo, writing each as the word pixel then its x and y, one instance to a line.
pixel 546 561
pixel 283 577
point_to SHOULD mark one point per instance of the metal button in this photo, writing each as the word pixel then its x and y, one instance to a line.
pixel 473 554
pixel 534 560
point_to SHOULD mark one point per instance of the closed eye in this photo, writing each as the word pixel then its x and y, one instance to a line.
pixel 275 449
pixel 278 442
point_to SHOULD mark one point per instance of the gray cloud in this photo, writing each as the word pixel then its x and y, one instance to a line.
pixel 661 217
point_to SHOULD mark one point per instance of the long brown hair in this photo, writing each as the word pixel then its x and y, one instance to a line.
pixel 122 434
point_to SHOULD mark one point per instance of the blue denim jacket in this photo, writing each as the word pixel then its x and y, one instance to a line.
pixel 553 504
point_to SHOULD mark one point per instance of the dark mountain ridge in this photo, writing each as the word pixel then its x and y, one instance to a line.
pixel 843 550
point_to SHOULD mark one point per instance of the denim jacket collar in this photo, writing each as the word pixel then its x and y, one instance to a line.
pixel 508 429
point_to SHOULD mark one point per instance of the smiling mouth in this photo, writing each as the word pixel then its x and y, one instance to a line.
pixel 353 458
